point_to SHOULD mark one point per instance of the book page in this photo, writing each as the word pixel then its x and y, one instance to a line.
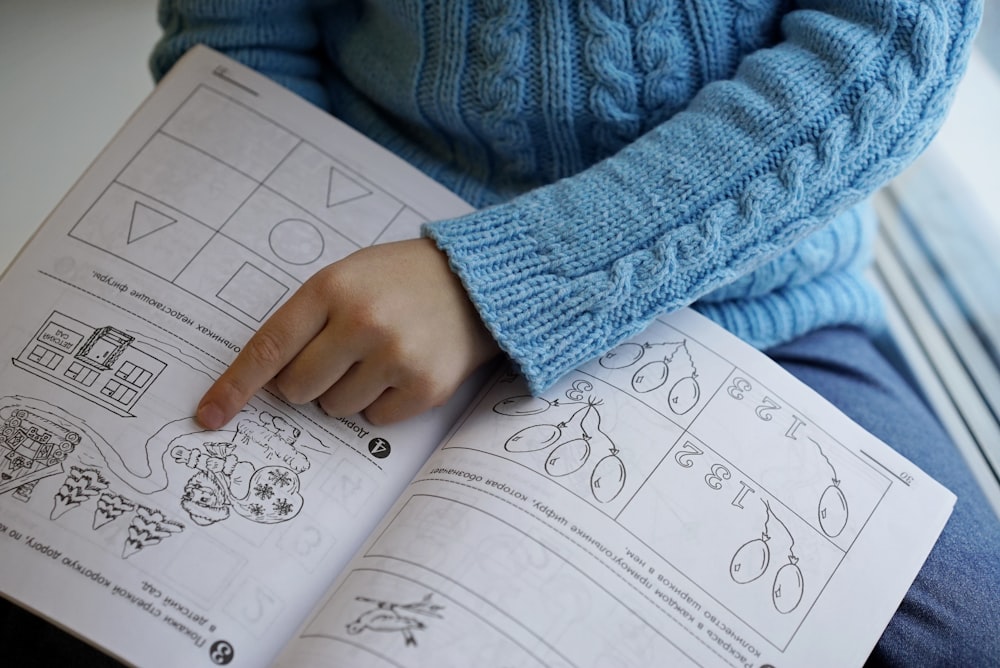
pixel 681 501
pixel 120 518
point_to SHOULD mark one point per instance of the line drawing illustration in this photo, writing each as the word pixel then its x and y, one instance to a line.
pixel 341 188
pixel 388 617
pixel 252 291
pixel 110 506
pixel 752 559
pixel 262 485
pixel 684 391
pixel 222 483
pixel 34 443
pixel 32 455
pixel 296 241
pixel 828 504
pixel 263 431
pixel 99 364
pixel 572 440
pixel 832 511
pixel 255 474
pixel 272 219
pixel 80 485
pixel 146 221
pixel 147 526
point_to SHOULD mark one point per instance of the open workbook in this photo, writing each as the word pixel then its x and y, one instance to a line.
pixel 678 501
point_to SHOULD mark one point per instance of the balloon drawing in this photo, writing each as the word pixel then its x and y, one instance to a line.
pixel 570 442
pixel 832 512
pixel 753 559
pixel 676 367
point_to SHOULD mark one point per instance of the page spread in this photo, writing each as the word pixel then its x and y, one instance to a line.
pixel 678 501
pixel 222 194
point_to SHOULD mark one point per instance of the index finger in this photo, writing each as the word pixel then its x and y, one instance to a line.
pixel 267 352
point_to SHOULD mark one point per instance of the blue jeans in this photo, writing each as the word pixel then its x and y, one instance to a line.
pixel 951 615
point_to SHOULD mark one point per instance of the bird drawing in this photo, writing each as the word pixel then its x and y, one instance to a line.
pixel 394 617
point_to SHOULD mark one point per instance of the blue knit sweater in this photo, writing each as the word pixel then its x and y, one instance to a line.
pixel 629 157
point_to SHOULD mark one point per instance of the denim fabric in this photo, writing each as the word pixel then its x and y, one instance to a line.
pixel 951 615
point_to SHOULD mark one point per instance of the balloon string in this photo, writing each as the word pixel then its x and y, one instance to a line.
pixel 770 514
pixel 823 455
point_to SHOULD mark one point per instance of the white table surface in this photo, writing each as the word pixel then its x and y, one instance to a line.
pixel 71 72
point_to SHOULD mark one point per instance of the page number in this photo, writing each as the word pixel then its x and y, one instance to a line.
pixel 221 652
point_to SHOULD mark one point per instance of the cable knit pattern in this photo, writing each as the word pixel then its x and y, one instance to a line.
pixel 667 153
pixel 803 133
pixel 502 44
pixel 614 97
pixel 661 54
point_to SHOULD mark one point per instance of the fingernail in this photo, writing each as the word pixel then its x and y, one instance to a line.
pixel 210 416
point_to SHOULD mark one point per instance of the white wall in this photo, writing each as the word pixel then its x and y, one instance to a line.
pixel 71 72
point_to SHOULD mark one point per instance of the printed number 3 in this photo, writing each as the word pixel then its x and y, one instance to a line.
pixel 739 387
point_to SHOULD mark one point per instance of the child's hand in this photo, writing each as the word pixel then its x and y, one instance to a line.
pixel 388 330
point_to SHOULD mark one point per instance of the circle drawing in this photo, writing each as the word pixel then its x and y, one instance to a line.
pixel 296 241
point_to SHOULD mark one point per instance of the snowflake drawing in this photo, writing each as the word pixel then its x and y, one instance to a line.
pixel 280 478
pixel 283 507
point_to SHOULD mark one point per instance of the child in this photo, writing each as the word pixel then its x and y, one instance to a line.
pixel 628 158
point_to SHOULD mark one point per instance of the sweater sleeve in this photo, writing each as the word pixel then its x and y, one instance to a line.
pixel 803 130
pixel 278 38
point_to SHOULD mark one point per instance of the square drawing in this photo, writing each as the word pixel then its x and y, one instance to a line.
pixel 252 292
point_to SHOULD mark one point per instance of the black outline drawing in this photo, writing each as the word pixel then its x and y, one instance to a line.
pixel 333 185
pixel 316 246
pixel 99 364
pixel 223 481
pixel 147 224
pixel 832 511
pixel 264 307
pixel 389 617
pixel 80 485
pixel 752 559
pixel 147 526
pixel 34 443
pixel 337 185
pixel 571 440
pixel 110 506
pixel 152 479
pixel 683 394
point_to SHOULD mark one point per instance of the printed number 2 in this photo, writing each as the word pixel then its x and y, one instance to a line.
pixel 685 456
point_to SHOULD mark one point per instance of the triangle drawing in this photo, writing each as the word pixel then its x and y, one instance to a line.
pixel 146 221
pixel 342 188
